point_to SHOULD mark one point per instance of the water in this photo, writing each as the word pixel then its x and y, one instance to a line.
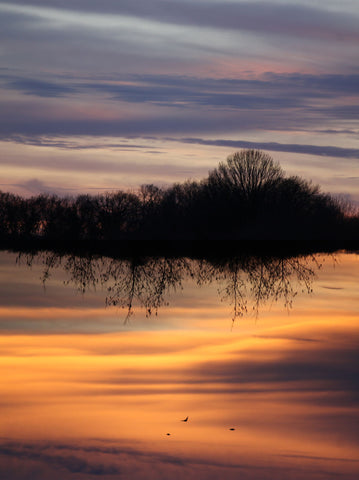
pixel 102 359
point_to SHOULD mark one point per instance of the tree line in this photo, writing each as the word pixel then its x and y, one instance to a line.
pixel 247 197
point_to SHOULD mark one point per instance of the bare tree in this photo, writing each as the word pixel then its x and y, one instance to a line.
pixel 248 172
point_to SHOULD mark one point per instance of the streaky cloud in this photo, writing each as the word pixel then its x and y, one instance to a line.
pixel 328 151
pixel 268 90
pixel 40 88
pixel 268 18
pixel 60 142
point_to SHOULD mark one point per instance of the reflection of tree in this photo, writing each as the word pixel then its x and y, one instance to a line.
pixel 146 282
pixel 260 279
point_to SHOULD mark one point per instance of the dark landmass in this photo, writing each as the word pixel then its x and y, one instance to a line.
pixel 196 249
pixel 247 203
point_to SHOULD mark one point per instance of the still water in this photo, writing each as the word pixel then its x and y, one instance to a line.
pixel 102 360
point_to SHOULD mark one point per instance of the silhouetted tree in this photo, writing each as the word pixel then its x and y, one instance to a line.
pixel 246 197
pixel 247 173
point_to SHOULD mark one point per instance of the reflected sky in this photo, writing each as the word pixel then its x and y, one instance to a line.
pixel 85 394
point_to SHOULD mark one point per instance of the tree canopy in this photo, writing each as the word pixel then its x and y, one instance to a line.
pixel 248 172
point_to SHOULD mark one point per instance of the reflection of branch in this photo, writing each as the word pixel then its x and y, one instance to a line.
pixel 234 291
pixel 50 261
pixel 147 282
pixel 266 278
pixel 276 278
pixel 84 272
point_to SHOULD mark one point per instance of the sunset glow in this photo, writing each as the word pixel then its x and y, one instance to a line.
pixel 109 395
pixel 179 229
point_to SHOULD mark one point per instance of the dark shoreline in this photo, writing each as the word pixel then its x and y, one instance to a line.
pixel 180 248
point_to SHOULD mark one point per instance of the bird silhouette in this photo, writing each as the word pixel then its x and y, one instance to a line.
pixel 232 429
pixel 168 434
pixel 185 419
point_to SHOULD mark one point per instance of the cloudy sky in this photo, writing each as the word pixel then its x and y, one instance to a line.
pixel 104 95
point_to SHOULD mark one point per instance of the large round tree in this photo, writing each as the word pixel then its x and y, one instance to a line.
pixel 248 173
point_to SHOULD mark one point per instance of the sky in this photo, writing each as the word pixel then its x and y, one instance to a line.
pixel 99 96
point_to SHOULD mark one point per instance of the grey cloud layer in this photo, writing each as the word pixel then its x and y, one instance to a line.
pixel 174 36
pixel 280 147
pixel 270 90
pixel 327 151
pixel 184 105
pixel 259 17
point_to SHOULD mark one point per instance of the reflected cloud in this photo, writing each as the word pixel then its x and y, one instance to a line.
pixel 323 368
pixel 70 463
pixel 125 461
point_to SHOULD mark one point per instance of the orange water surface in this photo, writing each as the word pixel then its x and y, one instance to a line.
pixel 273 394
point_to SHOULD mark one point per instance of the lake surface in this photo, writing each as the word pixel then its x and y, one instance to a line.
pixel 101 360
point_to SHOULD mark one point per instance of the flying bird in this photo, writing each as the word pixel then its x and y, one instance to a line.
pixel 232 429
pixel 185 419
pixel 168 434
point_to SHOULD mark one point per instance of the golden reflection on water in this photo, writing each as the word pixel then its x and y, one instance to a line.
pixel 84 395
